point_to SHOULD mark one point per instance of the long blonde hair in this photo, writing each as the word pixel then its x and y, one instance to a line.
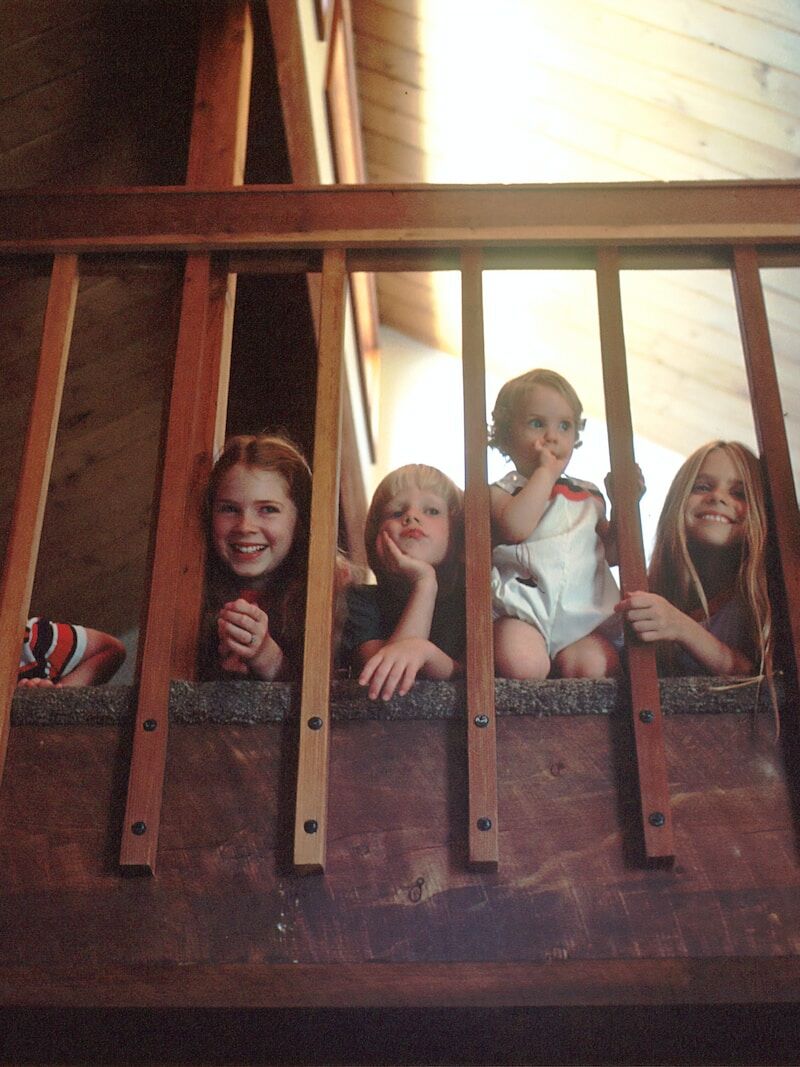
pixel 672 572
pixel 425 478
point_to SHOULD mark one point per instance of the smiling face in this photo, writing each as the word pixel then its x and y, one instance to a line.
pixel 716 507
pixel 253 523
pixel 542 416
pixel 418 522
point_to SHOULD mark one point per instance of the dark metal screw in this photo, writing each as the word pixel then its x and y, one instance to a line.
pixel 149 725
pixel 139 828
pixel 310 826
pixel 315 723
pixel 656 818
pixel 481 720
pixel 484 824
pixel 646 716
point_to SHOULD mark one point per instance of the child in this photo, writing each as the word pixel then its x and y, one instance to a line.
pixel 552 588
pixel 708 604
pixel 257 517
pixel 412 622
pixel 60 654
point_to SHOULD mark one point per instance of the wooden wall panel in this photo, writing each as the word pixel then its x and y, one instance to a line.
pixel 572 919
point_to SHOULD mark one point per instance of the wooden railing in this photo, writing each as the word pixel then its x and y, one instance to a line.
pixel 739 226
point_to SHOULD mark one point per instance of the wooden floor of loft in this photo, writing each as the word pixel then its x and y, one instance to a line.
pixel 571 918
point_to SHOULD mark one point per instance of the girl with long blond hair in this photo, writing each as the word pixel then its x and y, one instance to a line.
pixel 708 606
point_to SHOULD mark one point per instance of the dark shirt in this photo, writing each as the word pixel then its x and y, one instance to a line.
pixel 373 612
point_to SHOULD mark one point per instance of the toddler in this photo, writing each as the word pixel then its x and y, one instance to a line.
pixel 553 593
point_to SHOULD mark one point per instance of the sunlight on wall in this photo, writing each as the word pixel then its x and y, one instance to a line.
pixel 592 91
pixel 583 91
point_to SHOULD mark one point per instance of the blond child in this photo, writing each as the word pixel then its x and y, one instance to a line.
pixel 412 622
pixel 708 606
pixel 553 593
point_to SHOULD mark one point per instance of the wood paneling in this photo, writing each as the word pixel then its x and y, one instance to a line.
pixel 567 918
pixel 589 91
pixel 97 93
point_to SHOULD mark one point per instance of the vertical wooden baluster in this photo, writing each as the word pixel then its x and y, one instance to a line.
pixel 216 159
pixel 312 771
pixel 195 424
pixel 770 431
pixel 643 678
pixel 146 781
pixel 34 479
pixel 211 398
pixel 481 733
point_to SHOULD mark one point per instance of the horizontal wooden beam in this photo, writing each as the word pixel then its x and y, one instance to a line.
pixel 382 260
pixel 400 217
pixel 732 980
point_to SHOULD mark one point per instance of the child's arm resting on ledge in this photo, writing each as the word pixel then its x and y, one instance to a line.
pixel 654 619
pixel 393 666
pixel 103 657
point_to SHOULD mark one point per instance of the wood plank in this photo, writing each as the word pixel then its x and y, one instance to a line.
pixel 543 257
pixel 730 30
pixel 771 431
pixel 59 49
pixel 479 664
pixel 143 807
pixel 624 30
pixel 290 62
pixel 218 140
pixel 730 90
pixel 296 107
pixel 344 125
pixel 34 477
pixel 744 979
pixel 685 213
pixel 603 132
pixel 208 434
pixel 566 913
pixel 311 822
pixel 217 148
pixel 656 817
pixel 27 19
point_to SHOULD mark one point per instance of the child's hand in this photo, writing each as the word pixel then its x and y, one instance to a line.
pixel 652 617
pixel 400 565
pixel 243 629
pixel 230 663
pixel 543 458
pixel 395 667
pixel 35 683
pixel 609 484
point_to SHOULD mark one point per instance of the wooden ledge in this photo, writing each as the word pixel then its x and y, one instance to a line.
pixel 272 702
pixel 568 982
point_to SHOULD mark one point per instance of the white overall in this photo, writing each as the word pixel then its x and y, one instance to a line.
pixel 558 580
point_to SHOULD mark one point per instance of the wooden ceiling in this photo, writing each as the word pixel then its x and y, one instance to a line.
pixel 581 91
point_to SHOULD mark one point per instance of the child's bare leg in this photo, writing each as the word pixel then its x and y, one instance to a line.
pixel 519 650
pixel 592 656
